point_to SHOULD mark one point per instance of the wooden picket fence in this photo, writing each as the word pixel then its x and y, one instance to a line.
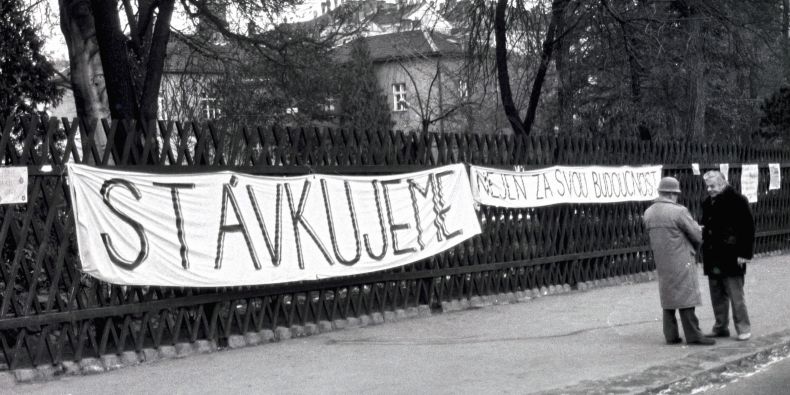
pixel 51 312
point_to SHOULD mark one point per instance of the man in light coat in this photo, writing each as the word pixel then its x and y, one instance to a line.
pixel 674 239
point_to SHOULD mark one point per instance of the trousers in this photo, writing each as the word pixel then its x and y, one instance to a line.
pixel 726 291
pixel 690 325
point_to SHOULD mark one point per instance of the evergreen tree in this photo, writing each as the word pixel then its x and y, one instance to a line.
pixel 25 74
pixel 362 105
pixel 775 123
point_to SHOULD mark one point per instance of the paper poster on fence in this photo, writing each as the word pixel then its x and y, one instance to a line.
pixel 695 169
pixel 775 173
pixel 724 168
pixel 749 181
pixel 228 229
pixel 564 184
pixel 13 184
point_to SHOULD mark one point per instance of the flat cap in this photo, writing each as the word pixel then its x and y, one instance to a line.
pixel 669 185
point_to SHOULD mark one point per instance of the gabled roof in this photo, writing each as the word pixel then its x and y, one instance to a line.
pixel 393 15
pixel 193 55
pixel 359 15
pixel 457 12
pixel 403 45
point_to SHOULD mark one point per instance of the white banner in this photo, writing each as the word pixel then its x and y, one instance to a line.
pixel 228 229
pixel 564 184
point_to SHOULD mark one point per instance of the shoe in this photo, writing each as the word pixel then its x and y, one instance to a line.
pixel 704 341
pixel 744 336
pixel 718 334
pixel 675 341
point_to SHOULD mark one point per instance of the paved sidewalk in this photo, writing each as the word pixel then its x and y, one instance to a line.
pixel 596 341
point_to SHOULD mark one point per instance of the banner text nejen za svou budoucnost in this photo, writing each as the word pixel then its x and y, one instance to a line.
pixel 564 184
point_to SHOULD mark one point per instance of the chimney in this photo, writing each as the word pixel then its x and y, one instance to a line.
pixel 218 10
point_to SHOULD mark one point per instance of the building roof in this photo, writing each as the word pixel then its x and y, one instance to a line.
pixel 392 15
pixel 407 44
pixel 193 55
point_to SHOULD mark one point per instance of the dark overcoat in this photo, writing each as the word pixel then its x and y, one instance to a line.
pixel 674 238
pixel 728 233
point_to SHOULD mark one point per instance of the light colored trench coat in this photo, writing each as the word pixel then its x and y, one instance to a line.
pixel 674 238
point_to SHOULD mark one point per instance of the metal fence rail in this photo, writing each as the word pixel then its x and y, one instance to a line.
pixel 51 312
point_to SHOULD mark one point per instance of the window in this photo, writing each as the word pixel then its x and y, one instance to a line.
pixel 326 6
pixel 329 105
pixel 463 90
pixel 399 97
pixel 208 107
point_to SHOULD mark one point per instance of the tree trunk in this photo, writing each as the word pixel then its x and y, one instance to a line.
pixel 786 35
pixel 635 71
pixel 786 20
pixel 696 78
pixel 633 68
pixel 503 75
pixel 132 71
pixel 115 61
pixel 156 61
pixel 87 81
pixel 564 83
pixel 441 98
pixel 557 19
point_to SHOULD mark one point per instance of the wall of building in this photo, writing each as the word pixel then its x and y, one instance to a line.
pixel 67 108
pixel 422 97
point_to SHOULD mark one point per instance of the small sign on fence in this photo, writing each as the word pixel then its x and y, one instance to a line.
pixel 695 169
pixel 775 172
pixel 13 185
pixel 749 180
pixel 724 168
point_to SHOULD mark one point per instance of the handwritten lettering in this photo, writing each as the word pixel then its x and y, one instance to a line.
pixel 562 184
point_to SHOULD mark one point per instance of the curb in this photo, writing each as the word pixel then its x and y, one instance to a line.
pixel 694 371
pixel 109 362
pixel 738 365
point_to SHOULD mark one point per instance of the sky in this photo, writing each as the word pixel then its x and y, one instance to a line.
pixel 46 14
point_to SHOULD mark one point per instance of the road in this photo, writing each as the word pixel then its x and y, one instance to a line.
pixel 773 379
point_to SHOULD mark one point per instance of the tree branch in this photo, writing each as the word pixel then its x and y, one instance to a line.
pixel 156 60
pixel 503 75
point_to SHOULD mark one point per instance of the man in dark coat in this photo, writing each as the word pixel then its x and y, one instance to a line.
pixel 728 241
pixel 674 239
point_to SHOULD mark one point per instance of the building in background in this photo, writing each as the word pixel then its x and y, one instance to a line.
pixel 421 74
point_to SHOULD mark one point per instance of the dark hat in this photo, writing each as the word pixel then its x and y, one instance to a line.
pixel 669 185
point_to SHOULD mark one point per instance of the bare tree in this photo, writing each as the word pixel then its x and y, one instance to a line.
pixel 440 100
pixel 131 40
pixel 520 39
pixel 85 69
pixel 785 34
